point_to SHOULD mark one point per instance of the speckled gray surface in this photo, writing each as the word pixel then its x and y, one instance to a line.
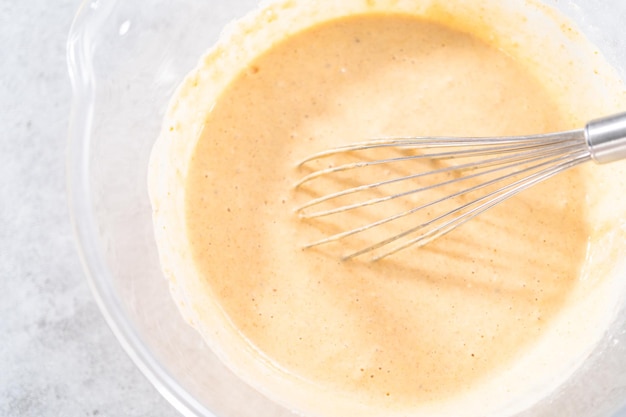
pixel 57 355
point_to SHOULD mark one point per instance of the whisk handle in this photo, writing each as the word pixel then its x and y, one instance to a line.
pixel 606 138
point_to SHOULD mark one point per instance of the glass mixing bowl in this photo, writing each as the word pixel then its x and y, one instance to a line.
pixel 125 60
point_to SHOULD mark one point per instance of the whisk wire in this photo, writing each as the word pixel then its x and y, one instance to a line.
pixel 499 162
pixel 582 155
pixel 509 166
pixel 475 147
pixel 425 142
pixel 492 200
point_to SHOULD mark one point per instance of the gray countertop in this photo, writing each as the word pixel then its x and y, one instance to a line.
pixel 57 355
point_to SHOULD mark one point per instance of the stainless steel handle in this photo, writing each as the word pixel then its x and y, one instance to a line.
pixel 606 138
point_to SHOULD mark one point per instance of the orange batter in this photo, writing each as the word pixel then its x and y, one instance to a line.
pixel 426 325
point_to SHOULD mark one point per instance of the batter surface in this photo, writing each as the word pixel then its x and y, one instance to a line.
pixel 460 326
pixel 425 324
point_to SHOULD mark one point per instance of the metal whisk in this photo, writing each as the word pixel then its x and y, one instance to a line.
pixel 446 180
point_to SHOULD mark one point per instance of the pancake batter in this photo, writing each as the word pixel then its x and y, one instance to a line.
pixel 423 327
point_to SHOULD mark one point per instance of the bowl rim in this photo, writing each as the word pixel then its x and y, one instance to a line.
pixel 79 53
pixel 84 29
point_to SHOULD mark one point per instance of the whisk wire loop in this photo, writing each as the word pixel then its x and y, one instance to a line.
pixel 474 147
pixel 488 201
pixel 488 172
pixel 501 163
pixel 548 170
